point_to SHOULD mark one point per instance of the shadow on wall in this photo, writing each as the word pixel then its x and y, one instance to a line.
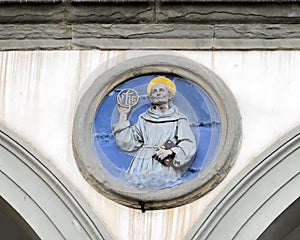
pixel 12 225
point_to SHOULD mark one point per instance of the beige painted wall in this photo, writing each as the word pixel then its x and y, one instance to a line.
pixel 39 91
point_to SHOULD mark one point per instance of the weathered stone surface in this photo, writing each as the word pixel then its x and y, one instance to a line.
pixel 110 13
pixel 140 24
pixel 145 36
pixel 81 11
pixel 258 31
pixel 133 31
pixel 149 36
pixel 31 13
pixel 153 11
pixel 144 43
pixel 187 36
pixel 30 1
pixel 111 1
pixel 39 31
pixel 220 12
pixel 39 36
pixel 229 1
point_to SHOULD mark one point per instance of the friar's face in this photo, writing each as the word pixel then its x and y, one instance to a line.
pixel 159 94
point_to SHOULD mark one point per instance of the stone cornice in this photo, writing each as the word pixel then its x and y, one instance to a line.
pixel 149 36
pixel 140 24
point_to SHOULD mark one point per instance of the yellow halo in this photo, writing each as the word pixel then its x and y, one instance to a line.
pixel 163 80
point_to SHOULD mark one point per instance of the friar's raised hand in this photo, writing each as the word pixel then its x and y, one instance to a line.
pixel 124 112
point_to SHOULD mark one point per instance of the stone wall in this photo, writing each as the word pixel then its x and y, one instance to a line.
pixel 139 24
pixel 40 91
pixel 50 51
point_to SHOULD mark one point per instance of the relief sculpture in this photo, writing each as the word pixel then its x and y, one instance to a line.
pixel 156 131
pixel 162 139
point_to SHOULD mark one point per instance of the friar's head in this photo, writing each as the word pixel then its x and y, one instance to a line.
pixel 161 90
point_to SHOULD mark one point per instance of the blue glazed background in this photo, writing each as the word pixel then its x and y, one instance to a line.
pixel 190 99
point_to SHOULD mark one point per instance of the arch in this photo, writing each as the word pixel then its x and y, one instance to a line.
pixel 41 195
pixel 257 196
pixel 286 226
pixel 12 225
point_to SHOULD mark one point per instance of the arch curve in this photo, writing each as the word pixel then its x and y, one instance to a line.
pixel 41 196
pixel 257 196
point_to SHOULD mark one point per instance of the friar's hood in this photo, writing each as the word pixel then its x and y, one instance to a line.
pixel 172 114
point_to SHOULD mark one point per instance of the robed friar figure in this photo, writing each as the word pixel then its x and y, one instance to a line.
pixel 162 140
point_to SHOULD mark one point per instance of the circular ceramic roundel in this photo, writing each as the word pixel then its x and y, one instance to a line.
pixel 156 132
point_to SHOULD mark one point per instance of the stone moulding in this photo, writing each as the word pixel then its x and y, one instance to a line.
pixel 59 212
pixel 256 196
pixel 47 36
pixel 177 195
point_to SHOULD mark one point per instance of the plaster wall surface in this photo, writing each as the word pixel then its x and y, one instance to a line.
pixel 39 92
